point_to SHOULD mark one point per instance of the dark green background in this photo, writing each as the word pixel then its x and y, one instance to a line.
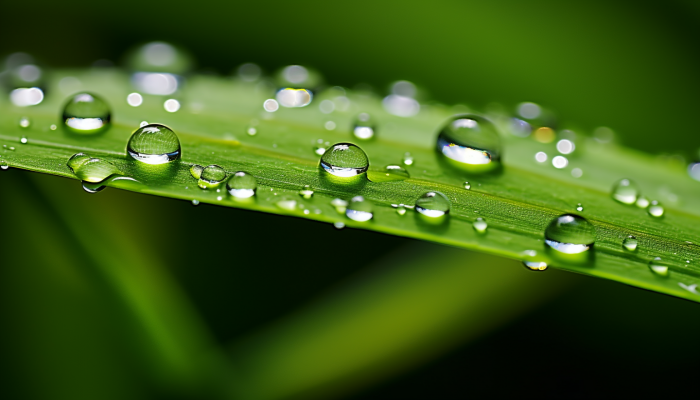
pixel 632 66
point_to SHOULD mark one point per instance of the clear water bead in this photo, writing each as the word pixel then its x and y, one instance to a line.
pixel 433 205
pixel 659 267
pixel 86 113
pixel 480 225
pixel 579 207
pixel 211 177
pixel 359 209
pixel 154 144
pixel 242 185
pixel 655 209
pixel 471 142
pixel 570 234
pixel 625 191
pixel 364 127
pixel 306 192
pixel 344 160
pixel 630 243
pixel 535 265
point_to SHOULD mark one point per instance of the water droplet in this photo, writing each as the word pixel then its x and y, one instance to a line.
pixel 565 146
pixel 344 160
pixel 24 122
pixel 364 127
pixel 471 142
pixel 570 234
pixel 195 202
pixel 339 225
pixel 4 166
pixel 171 105
pixel 287 203
pixel 625 191
pixel 77 160
pixel 86 113
pixel 242 185
pixel 630 243
pixel 480 225
pixel 23 140
pixel 529 110
pixel 359 209
pixel 252 131
pixel 433 205
pixel 271 105
pixel 576 172
pixel 659 267
pixel 340 205
pixel 211 177
pixel 535 265
pixel 319 150
pixel 293 98
pixel 196 171
pixel 154 144
pixel 306 192
pixel 560 162
pixel 467 185
pixel 579 207
pixel 134 99
pixel 400 209
pixel 407 159
pixel 655 209
pixel 53 127
pixel 642 202
pixel 401 106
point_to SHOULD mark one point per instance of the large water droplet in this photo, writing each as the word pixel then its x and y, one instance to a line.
pixel 92 170
pixel 630 243
pixel 359 209
pixel 86 113
pixel 655 209
pixel 154 144
pixel 364 127
pixel 211 177
pixel 570 234
pixel 625 191
pixel 659 267
pixel 242 185
pixel 470 142
pixel 77 160
pixel 433 205
pixel 344 160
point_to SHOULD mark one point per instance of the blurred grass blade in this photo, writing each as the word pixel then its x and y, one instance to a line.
pixel 518 203
pixel 409 307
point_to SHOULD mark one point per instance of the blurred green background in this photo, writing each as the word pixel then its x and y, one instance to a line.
pixel 120 295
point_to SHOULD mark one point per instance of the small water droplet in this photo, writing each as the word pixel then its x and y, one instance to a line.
pixel 529 110
pixel 535 265
pixel 579 207
pixel 642 202
pixel 659 267
pixel 364 127
pixel 271 105
pixel 340 205
pixel 480 225
pixel 400 209
pixel 565 146
pixel 4 166
pixel 154 144
pixel 211 177
pixel 560 162
pixel 467 185
pixel 630 243
pixel 625 191
pixel 359 209
pixel 407 159
pixel 541 157
pixel 196 171
pixel 86 113
pixel 91 170
pixel 24 122
pixel 53 127
pixel 23 140
pixel 252 131
pixel 655 209
pixel 171 105
pixel 339 225
pixel 242 185
pixel 134 99
pixel 195 202
pixel 433 205
pixel 471 142
pixel 344 160
pixel 306 192
pixel 570 234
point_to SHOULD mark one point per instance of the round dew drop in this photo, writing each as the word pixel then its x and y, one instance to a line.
pixel 211 177
pixel 630 243
pixel 344 160
pixel 306 192
pixel 359 209
pixel 242 185
pixel 76 161
pixel 364 127
pixel 480 225
pixel 154 144
pixel 655 209
pixel 625 191
pixel 659 267
pixel 535 265
pixel 470 142
pixel 86 113
pixel 433 205
pixel 570 234
pixel 579 207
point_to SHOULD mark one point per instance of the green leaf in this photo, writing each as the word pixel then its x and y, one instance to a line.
pixel 517 202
